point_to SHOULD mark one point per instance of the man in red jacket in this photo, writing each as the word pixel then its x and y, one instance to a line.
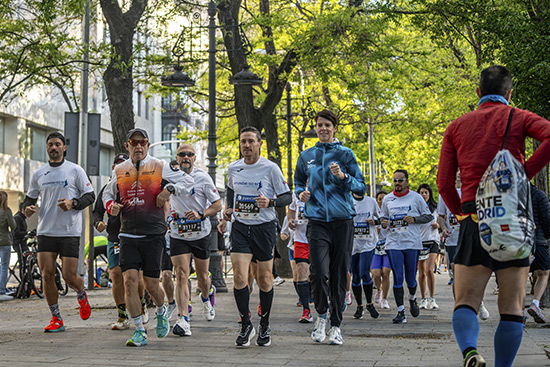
pixel 469 144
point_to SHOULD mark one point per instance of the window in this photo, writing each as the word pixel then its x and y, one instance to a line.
pixel 38 144
pixel 146 109
pixel 139 103
pixel 106 157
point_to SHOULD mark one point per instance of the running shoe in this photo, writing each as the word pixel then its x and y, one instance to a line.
pixel 400 318
pixel 299 303
pixel 432 305
pixel 144 314
pixel 6 297
pixel 56 324
pixel 278 281
pixel 378 297
pixel 306 317
pixel 84 308
pixel 163 325
pixel 372 311
pixel 319 333
pixel 537 314
pixel 259 310
pixel 424 304
pixel 208 311
pixel 483 312
pixel 415 311
pixel 138 339
pixel 171 308
pixel 359 313
pixel 451 281
pixel 349 298
pixel 247 333
pixel 264 336
pixel 123 323
pixel 474 359
pixel 182 327
pixel 335 336
pixel 212 295
pixel 385 304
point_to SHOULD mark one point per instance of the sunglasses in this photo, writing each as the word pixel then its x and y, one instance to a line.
pixel 136 142
pixel 399 180
pixel 186 154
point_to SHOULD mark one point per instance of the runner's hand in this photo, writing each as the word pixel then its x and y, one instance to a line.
pixel 162 198
pixel 409 219
pixel 292 224
pixel 370 221
pixel 30 210
pixel 227 213
pixel 65 204
pixel 284 236
pixel 304 196
pixel 115 209
pixel 261 201
pixel 221 226
pixel 101 226
pixel 336 171
pixel 192 215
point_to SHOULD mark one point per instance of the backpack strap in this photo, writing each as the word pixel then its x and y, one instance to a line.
pixel 507 129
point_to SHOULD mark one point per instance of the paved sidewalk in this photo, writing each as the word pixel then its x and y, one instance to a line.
pixel 425 341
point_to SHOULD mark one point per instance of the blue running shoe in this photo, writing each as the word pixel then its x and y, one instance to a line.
pixel 163 325
pixel 138 339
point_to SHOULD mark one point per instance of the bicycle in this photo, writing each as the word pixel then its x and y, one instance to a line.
pixel 31 278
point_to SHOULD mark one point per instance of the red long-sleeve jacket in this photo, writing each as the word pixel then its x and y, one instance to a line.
pixel 472 140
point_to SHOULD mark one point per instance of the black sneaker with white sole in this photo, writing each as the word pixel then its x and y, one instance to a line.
pixel 400 318
pixel 372 311
pixel 415 310
pixel 264 336
pixel 359 313
pixel 247 333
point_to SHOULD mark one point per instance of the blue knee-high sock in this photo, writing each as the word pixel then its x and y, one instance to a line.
pixel 508 339
pixel 466 328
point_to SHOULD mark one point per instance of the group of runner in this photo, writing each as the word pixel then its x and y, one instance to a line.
pixel 337 229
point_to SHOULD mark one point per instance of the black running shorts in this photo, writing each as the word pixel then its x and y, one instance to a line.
pixel 258 240
pixel 199 248
pixel 142 254
pixel 542 258
pixel 64 246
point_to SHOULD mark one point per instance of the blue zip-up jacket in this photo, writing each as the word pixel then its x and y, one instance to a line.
pixel 331 197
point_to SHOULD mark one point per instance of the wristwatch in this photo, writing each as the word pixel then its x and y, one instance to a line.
pixel 171 189
pixel 75 204
pixel 202 215
pixel 271 203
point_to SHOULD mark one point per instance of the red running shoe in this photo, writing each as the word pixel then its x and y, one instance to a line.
pixel 56 324
pixel 84 308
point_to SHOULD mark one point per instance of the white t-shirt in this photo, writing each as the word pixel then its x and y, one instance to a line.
pixel 301 222
pixel 452 223
pixel 402 235
pixel 247 181
pixel 67 181
pixel 365 236
pixel 199 198
pixel 429 233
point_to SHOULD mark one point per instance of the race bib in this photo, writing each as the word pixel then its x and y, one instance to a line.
pixel 361 231
pixel 398 223
pixel 380 247
pixel 116 248
pixel 246 208
pixel 300 216
pixel 424 254
pixel 188 228
pixel 453 222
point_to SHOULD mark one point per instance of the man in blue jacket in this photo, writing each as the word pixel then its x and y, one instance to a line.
pixel 333 175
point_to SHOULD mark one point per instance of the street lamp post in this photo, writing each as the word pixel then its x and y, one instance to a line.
pixel 289 134
pixel 180 79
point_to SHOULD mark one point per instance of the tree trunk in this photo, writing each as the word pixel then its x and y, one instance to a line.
pixel 118 76
pixel 541 182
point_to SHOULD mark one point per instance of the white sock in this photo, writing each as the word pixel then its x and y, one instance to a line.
pixel 536 303
pixel 401 308
pixel 138 322
pixel 161 309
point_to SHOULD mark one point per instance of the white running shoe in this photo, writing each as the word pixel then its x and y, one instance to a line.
pixel 182 327
pixel 378 297
pixel 483 312
pixel 319 333
pixel 171 308
pixel 349 298
pixel 432 305
pixel 121 324
pixel 145 314
pixel 208 311
pixel 278 281
pixel 385 304
pixel 424 303
pixel 335 336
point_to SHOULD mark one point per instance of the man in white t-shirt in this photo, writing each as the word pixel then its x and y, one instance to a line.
pixel 402 211
pixel 64 190
pixel 255 187
pixel 190 228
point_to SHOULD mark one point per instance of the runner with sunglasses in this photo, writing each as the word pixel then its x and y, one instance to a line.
pixel 402 211
pixel 190 227
pixel 144 184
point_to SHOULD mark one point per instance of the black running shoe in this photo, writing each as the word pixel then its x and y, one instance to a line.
pixel 359 313
pixel 247 333
pixel 415 310
pixel 373 313
pixel 473 359
pixel 264 336
pixel 400 318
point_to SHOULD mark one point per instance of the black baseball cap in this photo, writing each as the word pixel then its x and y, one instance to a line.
pixel 137 130
pixel 56 135
pixel 120 157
